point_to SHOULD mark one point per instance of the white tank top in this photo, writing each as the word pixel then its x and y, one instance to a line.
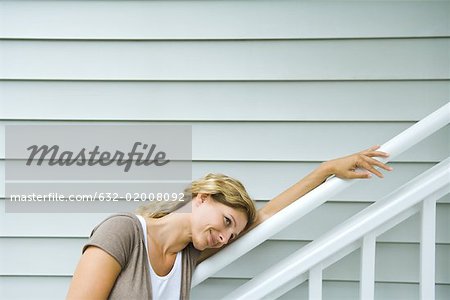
pixel 164 287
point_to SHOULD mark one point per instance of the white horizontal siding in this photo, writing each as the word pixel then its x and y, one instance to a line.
pixel 238 101
pixel 58 257
pixel 292 141
pixel 227 60
pixel 222 19
pixel 55 288
pixel 34 287
pixel 291 83
pixel 309 227
pixel 265 180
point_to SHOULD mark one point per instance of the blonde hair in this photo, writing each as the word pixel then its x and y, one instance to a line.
pixel 222 188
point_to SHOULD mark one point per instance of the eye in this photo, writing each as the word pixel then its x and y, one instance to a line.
pixel 227 221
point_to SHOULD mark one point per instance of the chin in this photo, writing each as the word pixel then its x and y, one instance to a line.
pixel 199 246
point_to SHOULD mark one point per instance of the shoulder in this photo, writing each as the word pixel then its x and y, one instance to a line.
pixel 118 235
pixel 120 222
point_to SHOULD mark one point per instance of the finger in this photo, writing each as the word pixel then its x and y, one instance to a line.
pixel 373 148
pixel 378 163
pixel 364 164
pixel 377 154
pixel 357 175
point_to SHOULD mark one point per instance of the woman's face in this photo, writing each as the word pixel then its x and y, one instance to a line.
pixel 213 223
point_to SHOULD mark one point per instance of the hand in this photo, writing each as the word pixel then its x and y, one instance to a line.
pixel 346 167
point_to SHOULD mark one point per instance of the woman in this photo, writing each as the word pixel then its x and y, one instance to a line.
pixel 152 254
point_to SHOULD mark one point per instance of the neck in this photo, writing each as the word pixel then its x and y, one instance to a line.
pixel 171 233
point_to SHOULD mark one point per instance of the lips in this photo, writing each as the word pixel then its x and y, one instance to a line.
pixel 212 242
pixel 210 239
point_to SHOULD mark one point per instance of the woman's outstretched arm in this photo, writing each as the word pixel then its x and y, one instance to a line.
pixel 344 167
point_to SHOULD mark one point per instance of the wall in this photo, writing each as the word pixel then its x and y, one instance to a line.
pixel 271 88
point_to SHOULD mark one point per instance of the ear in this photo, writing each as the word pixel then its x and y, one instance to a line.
pixel 203 197
pixel 200 198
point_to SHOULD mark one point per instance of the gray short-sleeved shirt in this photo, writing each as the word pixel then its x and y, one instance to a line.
pixel 121 236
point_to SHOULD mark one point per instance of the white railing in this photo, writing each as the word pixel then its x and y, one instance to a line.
pixel 359 231
pixel 316 197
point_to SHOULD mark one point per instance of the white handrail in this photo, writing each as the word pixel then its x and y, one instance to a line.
pixel 316 197
pixel 347 250
pixel 434 181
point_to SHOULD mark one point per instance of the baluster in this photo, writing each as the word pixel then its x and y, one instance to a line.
pixel 367 272
pixel 315 283
pixel 427 249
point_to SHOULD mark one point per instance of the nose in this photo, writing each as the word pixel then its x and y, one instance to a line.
pixel 224 237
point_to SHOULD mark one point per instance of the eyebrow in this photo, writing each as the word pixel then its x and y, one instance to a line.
pixel 234 221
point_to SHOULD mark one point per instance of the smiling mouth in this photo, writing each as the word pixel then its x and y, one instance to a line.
pixel 210 239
